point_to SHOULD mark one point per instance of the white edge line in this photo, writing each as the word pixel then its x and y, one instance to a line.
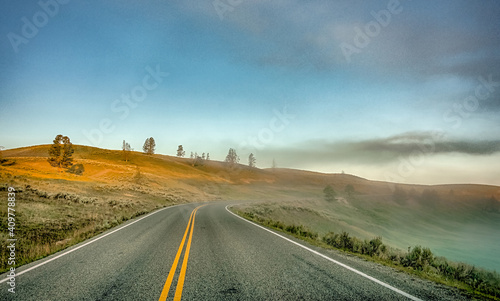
pixel 85 244
pixel 332 260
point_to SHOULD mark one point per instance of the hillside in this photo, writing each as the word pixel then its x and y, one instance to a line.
pixel 459 221
pixel 160 172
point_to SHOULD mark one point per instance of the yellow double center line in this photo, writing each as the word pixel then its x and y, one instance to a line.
pixel 182 275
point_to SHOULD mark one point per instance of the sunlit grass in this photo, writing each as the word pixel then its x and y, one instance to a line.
pixel 50 222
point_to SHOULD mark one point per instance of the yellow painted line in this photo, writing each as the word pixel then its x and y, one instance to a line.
pixel 182 275
pixel 166 287
pixel 171 274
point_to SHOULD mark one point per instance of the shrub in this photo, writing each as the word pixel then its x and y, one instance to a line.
pixel 6 162
pixel 413 258
pixel 42 194
pixel 357 245
pixel 383 249
pixel 367 248
pixel 417 258
pixel 331 239
pixel 395 256
pixel 376 243
pixel 427 257
pixel 276 224
pixel 76 169
pixel 345 241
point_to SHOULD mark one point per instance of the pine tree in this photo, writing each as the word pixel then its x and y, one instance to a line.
pixel 329 193
pixel 61 152
pixel 126 150
pixel 152 145
pixel 251 160
pixel 149 146
pixel 349 189
pixel 232 157
pixel 208 156
pixel 180 151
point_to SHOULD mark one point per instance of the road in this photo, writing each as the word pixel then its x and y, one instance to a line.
pixel 205 252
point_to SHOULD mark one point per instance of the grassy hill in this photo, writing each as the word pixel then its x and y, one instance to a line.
pixel 56 209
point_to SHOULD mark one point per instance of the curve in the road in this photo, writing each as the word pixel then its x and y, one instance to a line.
pixel 331 260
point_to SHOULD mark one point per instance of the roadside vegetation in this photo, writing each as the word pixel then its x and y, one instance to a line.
pixel 47 222
pixel 418 260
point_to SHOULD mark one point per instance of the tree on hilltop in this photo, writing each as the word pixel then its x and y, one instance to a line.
pixel 126 149
pixel 149 146
pixel 180 151
pixel 198 161
pixel 61 152
pixel 251 160
pixel 232 157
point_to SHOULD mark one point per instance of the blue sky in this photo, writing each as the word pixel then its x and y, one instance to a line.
pixel 407 91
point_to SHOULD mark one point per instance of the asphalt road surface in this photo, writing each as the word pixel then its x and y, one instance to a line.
pixel 204 252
